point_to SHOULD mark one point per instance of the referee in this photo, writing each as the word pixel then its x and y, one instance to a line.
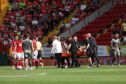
pixel 40 51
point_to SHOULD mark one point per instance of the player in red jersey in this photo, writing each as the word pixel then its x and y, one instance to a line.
pixel 19 53
pixel 35 53
pixel 13 48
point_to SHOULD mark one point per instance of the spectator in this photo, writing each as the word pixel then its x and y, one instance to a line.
pixel 22 5
pixel 34 23
pixel 22 27
pixel 75 20
pixel 13 24
pixel 22 19
pixel 61 15
pixel 83 7
pixel 124 28
pixel 67 10
pixel 50 24
pixel 11 1
pixel 62 29
pixel 124 39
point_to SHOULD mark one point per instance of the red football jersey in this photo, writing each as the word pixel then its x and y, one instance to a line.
pixel 19 48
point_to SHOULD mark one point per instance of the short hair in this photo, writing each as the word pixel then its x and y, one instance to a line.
pixel 89 34
pixel 27 36
pixel 55 37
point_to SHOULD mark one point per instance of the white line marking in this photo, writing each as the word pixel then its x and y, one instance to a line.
pixel 21 75
pixel 42 74
pixel 14 76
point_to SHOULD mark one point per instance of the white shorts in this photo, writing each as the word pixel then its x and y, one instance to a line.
pixel 35 54
pixel 116 52
pixel 14 54
pixel 20 55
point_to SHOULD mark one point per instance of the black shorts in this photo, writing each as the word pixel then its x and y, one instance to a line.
pixel 89 53
pixel 39 54
pixel 27 55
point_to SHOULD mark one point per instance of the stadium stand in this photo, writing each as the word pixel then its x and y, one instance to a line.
pixel 36 17
pixel 85 8
pixel 101 27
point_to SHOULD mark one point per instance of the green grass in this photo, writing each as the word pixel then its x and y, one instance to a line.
pixel 51 75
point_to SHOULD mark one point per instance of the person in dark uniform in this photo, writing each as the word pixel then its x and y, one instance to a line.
pixel 88 49
pixel 73 48
pixel 94 47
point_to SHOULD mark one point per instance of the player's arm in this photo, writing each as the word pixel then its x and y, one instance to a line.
pixel 32 48
pixel 69 46
pixel 23 46
pixel 15 47
pixel 53 46
pixel 78 46
pixel 84 46
pixel 119 43
pixel 112 44
pixel 88 45
pixel 41 47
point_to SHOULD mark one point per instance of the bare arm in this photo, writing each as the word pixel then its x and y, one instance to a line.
pixel 69 46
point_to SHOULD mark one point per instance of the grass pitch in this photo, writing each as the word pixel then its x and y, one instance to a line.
pixel 52 75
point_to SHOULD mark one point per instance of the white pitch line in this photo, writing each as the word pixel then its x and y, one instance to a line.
pixel 1 76
pixel 42 73
pixel 14 75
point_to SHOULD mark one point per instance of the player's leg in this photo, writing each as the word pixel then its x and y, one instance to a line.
pixel 98 63
pixel 30 60
pixel 19 61
pixel 73 60
pixel 76 61
pixel 67 62
pixel 39 59
pixel 92 58
pixel 118 54
pixel 113 57
pixel 34 59
pixel 22 60
pixel 96 57
pixel 26 61
pixel 90 61
pixel 89 54
pixel 41 62
pixel 13 60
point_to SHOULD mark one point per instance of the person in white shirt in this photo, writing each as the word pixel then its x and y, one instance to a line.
pixel 57 50
pixel 67 10
pixel 115 45
pixel 75 20
pixel 83 7
pixel 34 22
